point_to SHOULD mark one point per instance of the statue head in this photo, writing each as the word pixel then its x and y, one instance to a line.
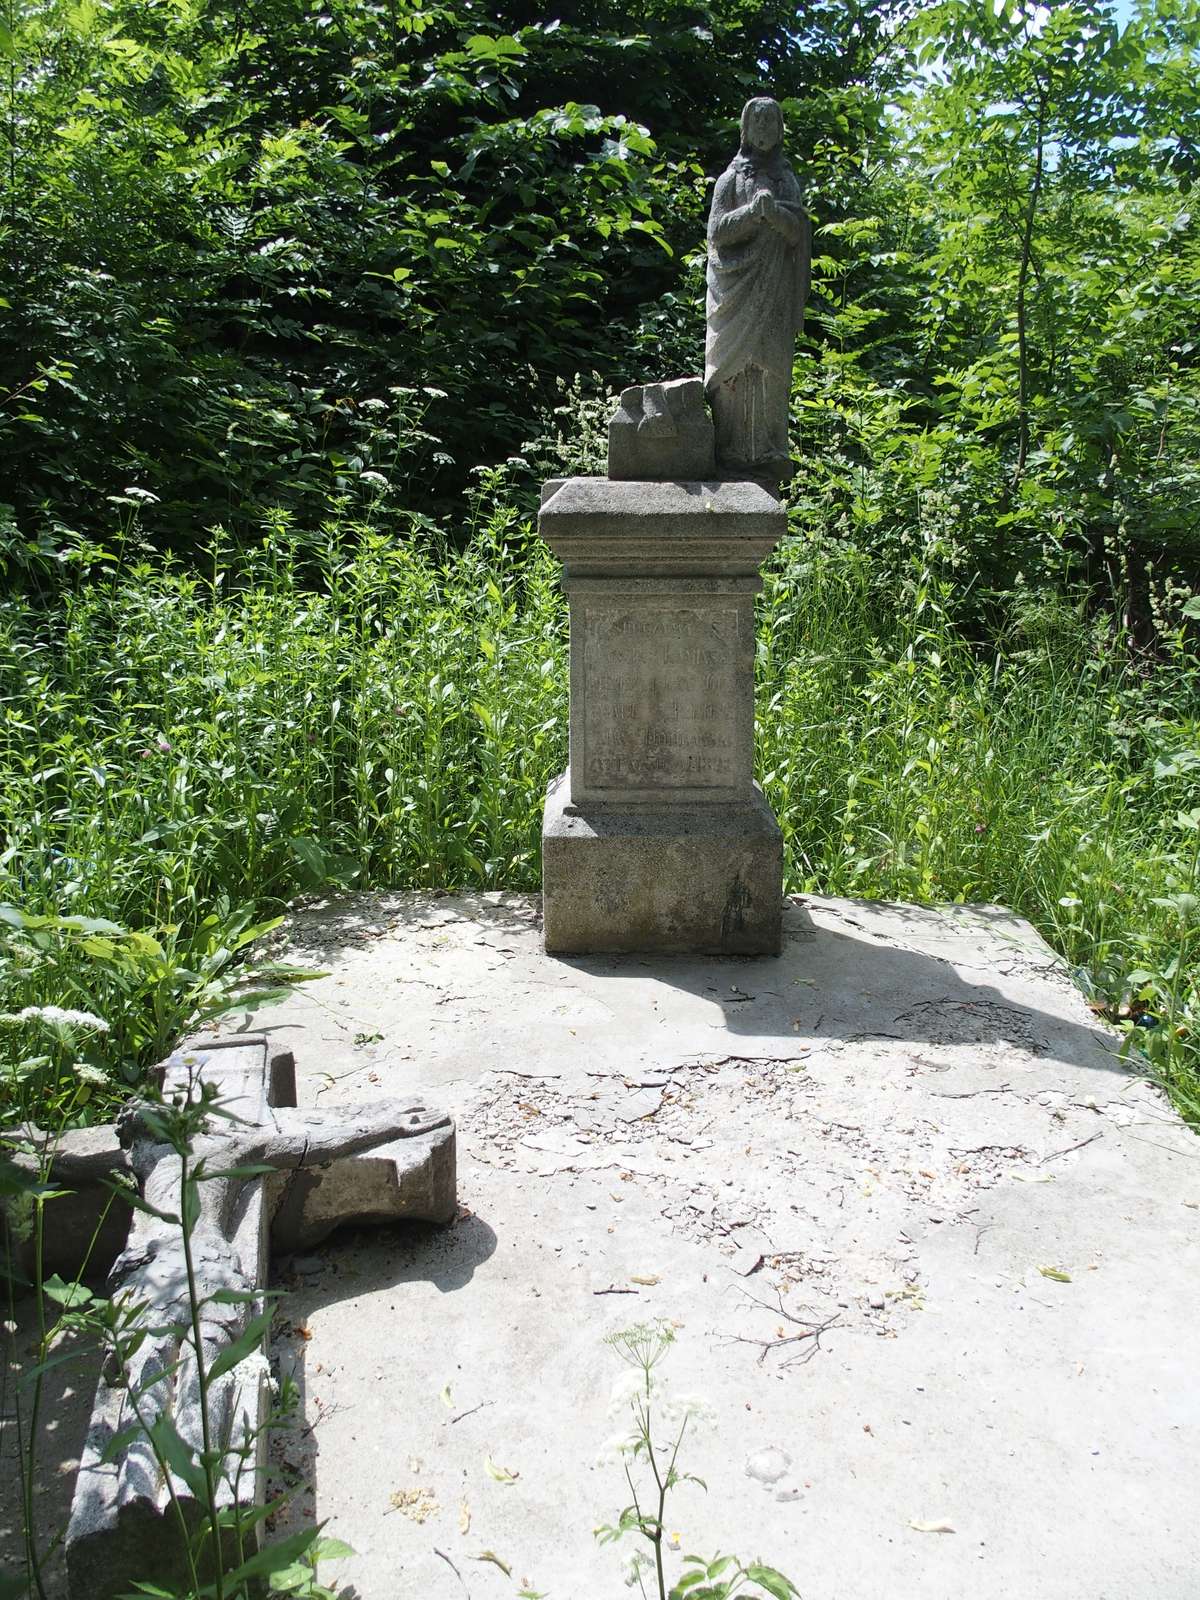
pixel 762 126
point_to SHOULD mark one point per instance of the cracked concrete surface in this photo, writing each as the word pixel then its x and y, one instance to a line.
pixel 839 1173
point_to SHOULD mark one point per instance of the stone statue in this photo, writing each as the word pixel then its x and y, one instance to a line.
pixel 758 270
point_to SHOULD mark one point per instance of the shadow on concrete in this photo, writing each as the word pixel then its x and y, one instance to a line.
pixel 64 1415
pixel 857 986
pixel 356 1263
pixel 855 982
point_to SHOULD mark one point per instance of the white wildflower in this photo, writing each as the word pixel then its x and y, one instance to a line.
pixel 629 1388
pixel 86 1073
pixel 62 1017
pixel 613 1451
pixel 635 1567
pixel 694 1409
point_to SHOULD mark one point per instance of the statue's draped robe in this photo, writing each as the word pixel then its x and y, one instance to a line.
pixel 757 286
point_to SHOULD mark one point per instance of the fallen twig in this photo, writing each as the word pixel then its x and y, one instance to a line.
pixel 970 1094
pixel 1054 1154
pixel 471 1412
pixel 809 1331
pixel 453 1569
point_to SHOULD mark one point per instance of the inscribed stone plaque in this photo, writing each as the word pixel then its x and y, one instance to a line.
pixel 662 697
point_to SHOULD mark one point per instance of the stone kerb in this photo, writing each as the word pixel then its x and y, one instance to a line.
pixel 656 838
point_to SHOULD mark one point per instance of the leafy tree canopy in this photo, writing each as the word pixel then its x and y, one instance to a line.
pixel 253 256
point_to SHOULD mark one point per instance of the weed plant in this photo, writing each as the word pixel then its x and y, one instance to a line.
pixel 656 1423
pixel 1053 771
pixel 185 752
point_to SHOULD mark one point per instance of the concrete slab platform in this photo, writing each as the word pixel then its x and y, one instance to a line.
pixel 892 1129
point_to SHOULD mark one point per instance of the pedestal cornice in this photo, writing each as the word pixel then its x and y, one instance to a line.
pixel 601 528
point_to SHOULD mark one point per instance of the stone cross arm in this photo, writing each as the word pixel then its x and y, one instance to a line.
pixel 291 1139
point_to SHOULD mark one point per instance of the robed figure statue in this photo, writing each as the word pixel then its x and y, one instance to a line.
pixel 759 258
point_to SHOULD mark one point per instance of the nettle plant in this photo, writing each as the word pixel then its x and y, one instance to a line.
pixel 649 1452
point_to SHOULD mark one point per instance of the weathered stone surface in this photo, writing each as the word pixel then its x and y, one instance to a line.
pixel 700 879
pixel 661 581
pixel 660 530
pixel 83 1230
pixel 409 1180
pixel 911 1103
pixel 123 1527
pixel 662 692
pixel 657 825
pixel 662 431
pixel 758 272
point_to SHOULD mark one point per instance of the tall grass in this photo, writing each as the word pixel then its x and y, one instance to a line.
pixel 367 712
pixel 1052 772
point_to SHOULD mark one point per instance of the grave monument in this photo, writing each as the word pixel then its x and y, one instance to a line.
pixel 656 837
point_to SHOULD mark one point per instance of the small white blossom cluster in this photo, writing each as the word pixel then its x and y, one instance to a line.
pixel 639 1396
pixel 613 1451
pixel 629 1388
pixel 57 1016
pixel 636 1390
pixel 637 1566
pixel 674 1409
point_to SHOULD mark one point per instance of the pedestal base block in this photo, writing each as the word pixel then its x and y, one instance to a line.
pixel 698 879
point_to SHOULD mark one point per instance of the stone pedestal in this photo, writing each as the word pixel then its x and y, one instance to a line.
pixel 656 838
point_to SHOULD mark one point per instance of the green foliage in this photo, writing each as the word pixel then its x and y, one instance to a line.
pixel 1004 318
pixel 154 986
pixel 1049 771
pixel 257 260
pixel 175 746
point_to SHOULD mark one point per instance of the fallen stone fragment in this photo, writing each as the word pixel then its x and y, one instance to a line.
pixel 661 432
pixel 125 1520
pixel 85 1227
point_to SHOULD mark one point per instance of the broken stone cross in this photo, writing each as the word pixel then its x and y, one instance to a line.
pixel 380 1161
